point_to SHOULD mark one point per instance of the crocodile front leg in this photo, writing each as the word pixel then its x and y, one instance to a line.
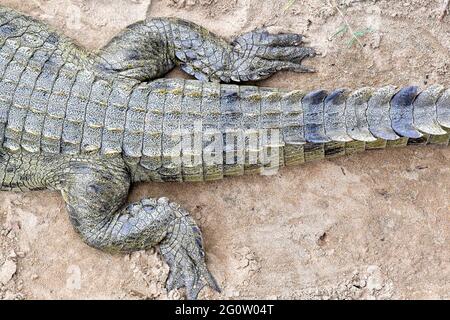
pixel 149 49
pixel 95 191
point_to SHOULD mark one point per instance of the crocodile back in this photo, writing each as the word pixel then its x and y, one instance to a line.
pixel 39 73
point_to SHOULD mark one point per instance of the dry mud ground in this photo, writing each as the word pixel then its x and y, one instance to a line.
pixel 374 225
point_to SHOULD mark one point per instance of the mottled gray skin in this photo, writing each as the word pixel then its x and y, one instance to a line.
pixel 91 124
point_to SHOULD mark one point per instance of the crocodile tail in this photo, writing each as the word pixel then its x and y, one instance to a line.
pixel 232 130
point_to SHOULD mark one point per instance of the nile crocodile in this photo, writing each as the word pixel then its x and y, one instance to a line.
pixel 92 123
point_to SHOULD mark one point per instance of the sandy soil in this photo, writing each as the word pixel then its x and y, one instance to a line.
pixel 374 225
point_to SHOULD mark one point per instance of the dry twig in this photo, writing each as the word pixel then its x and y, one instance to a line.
pixel 335 6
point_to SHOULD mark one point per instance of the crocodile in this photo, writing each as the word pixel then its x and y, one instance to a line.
pixel 90 124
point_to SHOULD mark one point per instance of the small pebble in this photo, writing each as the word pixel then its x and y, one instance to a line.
pixel 7 271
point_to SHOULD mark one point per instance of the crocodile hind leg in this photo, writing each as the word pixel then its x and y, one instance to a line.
pixel 149 49
pixel 95 192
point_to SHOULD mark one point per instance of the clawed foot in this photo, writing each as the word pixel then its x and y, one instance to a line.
pixel 259 54
pixel 183 251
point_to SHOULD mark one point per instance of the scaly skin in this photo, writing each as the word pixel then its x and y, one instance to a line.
pixel 91 124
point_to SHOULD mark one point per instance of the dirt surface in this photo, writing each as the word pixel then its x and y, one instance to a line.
pixel 374 225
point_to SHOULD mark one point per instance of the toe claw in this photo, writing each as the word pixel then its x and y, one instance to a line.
pixel 259 54
pixel 183 251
